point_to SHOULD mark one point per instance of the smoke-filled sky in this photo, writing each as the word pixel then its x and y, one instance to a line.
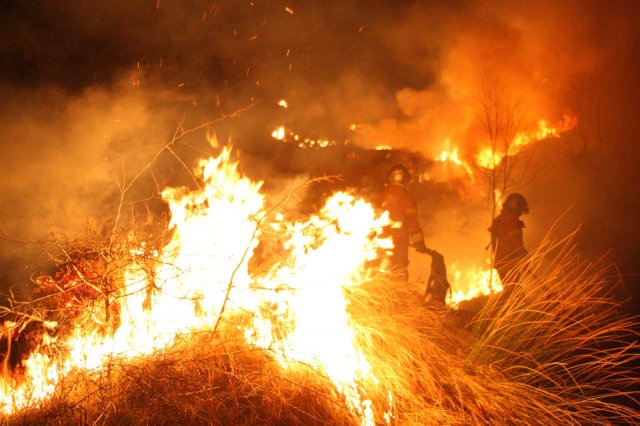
pixel 91 90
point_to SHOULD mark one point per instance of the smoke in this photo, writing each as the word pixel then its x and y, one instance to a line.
pixel 538 57
pixel 93 90
pixel 530 53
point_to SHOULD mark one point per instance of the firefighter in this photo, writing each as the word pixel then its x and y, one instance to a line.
pixel 405 230
pixel 507 237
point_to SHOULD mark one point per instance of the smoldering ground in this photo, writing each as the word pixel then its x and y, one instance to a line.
pixel 92 91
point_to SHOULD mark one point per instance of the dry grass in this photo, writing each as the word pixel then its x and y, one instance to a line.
pixel 562 342
pixel 556 352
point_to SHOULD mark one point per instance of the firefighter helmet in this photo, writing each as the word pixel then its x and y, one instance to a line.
pixel 398 174
pixel 516 203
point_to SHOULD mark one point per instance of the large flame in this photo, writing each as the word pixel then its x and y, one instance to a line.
pixel 298 306
pixel 327 253
pixel 490 157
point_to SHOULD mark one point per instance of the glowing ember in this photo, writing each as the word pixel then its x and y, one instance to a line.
pixel 283 135
pixel 278 133
pixel 283 103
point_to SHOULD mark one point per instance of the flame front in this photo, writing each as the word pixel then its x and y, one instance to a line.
pixel 489 157
pixel 326 253
pixel 299 308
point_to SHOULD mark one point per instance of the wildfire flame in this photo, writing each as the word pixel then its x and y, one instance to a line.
pixel 299 309
pixel 490 158
pixel 284 135
pixel 452 156
pixel 203 272
pixel 469 283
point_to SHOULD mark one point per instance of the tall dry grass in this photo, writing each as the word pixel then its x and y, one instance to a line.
pixel 562 341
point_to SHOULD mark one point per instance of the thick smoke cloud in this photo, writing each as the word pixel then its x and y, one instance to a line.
pixel 532 51
pixel 93 90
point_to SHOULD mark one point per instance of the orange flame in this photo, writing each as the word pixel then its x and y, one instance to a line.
pixel 452 156
pixel 216 229
pixel 469 283
pixel 490 158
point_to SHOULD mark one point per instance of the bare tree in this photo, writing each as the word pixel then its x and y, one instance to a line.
pixel 502 120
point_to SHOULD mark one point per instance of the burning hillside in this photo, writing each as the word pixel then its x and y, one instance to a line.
pixel 314 328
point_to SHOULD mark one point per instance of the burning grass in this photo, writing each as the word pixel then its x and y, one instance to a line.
pixel 199 331
pixel 556 352
pixel 199 380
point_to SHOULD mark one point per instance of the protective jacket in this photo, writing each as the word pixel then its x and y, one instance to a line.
pixel 401 205
pixel 507 241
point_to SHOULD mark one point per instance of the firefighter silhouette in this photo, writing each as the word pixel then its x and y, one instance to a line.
pixel 405 230
pixel 507 240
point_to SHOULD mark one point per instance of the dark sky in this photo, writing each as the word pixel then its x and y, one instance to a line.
pixel 92 89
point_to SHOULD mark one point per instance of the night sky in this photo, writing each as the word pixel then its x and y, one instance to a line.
pixel 91 90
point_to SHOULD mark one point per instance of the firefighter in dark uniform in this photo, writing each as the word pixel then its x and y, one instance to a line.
pixel 405 230
pixel 507 238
